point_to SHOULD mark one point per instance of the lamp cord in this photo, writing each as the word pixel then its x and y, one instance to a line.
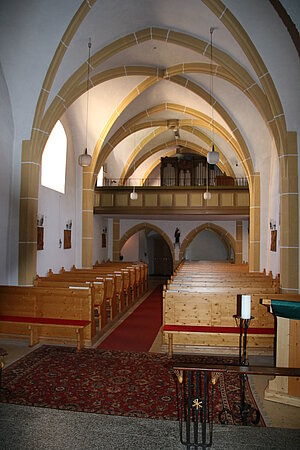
pixel 212 88
pixel 206 176
pixel 87 93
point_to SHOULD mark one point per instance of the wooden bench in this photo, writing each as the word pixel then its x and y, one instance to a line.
pixel 34 322
pixel 121 281
pixel 120 287
pixel 211 299
pixel 171 330
pixel 49 313
pixel 141 273
pixel 98 291
pixel 75 277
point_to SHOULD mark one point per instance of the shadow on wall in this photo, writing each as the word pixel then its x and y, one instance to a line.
pixel 206 246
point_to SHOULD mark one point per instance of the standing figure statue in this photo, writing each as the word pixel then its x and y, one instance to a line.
pixel 177 237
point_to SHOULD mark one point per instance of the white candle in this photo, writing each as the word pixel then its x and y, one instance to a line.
pixel 246 307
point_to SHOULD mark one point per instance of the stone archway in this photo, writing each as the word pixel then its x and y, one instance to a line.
pixel 148 226
pixel 227 239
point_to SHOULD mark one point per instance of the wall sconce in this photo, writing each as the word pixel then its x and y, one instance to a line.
pixel 40 220
pixel 69 224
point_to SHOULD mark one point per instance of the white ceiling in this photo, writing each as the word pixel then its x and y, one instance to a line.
pixel 109 20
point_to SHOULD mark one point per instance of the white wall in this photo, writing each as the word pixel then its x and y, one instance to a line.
pixel 143 254
pixel 130 250
pixel 57 209
pixel 169 226
pixel 25 58
pixel 273 258
pixel 206 246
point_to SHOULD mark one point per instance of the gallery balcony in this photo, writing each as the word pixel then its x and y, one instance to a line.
pixel 153 200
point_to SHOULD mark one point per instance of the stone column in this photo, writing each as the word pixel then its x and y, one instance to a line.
pixel 29 192
pixel 87 217
pixel 239 242
pixel 281 389
pixel 254 224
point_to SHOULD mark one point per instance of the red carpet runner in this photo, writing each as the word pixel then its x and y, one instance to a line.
pixel 139 330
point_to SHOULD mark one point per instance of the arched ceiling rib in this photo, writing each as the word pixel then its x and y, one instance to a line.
pixel 191 76
pixel 134 124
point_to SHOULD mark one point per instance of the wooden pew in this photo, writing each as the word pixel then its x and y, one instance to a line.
pixel 132 292
pixel 141 270
pixel 118 296
pixel 117 285
pixel 47 313
pixel 73 277
pixel 97 291
pixel 200 310
pixel 122 282
pixel 124 292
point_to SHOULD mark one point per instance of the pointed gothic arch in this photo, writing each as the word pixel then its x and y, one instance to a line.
pixel 227 239
pixel 148 226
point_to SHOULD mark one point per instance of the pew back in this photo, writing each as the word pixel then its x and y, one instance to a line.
pixel 207 295
pixel 45 302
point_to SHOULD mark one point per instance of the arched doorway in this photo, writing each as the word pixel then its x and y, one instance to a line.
pixel 159 255
pixel 218 245
pixel 150 244
pixel 207 245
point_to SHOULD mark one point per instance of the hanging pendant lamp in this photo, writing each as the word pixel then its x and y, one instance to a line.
pixel 85 160
pixel 207 195
pixel 213 156
pixel 134 194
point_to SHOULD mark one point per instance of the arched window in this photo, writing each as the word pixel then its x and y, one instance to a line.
pixel 100 177
pixel 53 171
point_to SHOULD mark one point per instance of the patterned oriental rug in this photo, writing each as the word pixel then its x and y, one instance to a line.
pixel 110 382
pixel 139 330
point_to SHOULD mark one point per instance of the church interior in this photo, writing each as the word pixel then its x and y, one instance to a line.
pixel 150 159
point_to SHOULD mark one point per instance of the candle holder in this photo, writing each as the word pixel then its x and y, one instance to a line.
pixel 243 324
pixel 247 411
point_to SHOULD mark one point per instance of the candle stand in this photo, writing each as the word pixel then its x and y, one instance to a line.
pixel 247 411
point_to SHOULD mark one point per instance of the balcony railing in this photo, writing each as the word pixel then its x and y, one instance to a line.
pixel 172 200
pixel 217 181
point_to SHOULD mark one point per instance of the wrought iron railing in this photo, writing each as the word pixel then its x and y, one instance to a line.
pixel 196 390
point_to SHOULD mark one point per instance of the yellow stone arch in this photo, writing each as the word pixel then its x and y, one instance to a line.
pixel 227 239
pixel 138 148
pixel 134 124
pixel 32 150
pixel 223 164
pixel 148 226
